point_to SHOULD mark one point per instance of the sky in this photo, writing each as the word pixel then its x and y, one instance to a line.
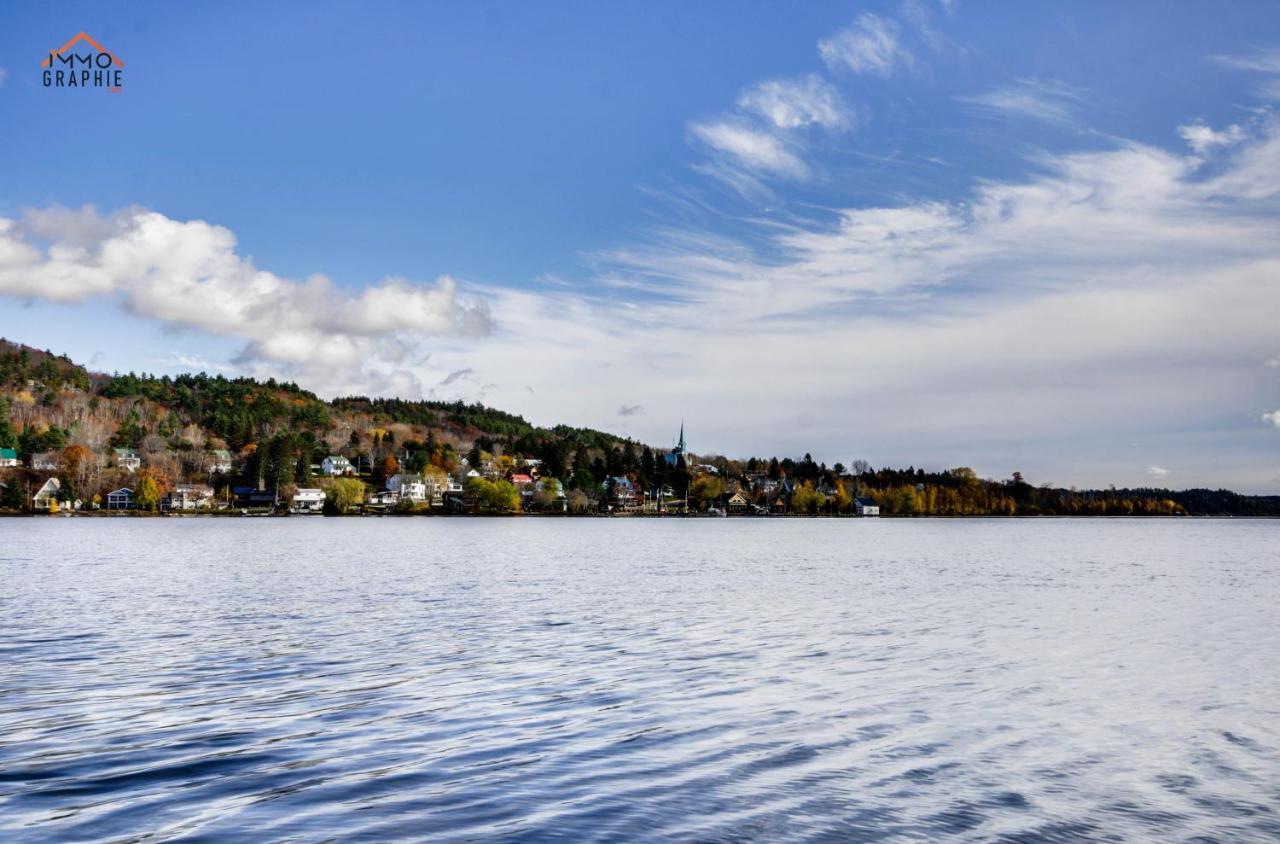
pixel 1018 237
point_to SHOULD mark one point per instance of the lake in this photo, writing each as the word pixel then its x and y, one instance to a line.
pixel 615 679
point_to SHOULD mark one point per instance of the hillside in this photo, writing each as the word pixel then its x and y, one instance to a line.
pixel 66 422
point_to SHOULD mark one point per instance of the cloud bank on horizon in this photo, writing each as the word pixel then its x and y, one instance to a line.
pixel 1107 313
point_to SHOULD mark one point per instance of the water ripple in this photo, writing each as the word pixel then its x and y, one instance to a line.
pixel 432 679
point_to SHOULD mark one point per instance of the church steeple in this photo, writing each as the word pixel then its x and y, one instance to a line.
pixel 680 447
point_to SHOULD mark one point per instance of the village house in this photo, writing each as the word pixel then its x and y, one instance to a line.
pixel 622 493
pixel 384 498
pixel 866 507
pixel 408 487
pixel 46 498
pixel 737 503
pixel 188 497
pixel 8 458
pixel 307 500
pixel 219 462
pixel 121 499
pixel 45 461
pixel 128 458
pixel 336 464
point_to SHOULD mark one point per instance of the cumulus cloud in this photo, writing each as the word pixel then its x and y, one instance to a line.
pixel 1157 471
pixel 795 103
pixel 1273 418
pixel 1045 101
pixel 752 149
pixel 872 44
pixel 1203 138
pixel 188 275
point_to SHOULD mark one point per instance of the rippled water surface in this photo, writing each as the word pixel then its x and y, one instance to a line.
pixel 709 680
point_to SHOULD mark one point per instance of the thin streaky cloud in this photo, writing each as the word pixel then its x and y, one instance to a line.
pixel 755 150
pixel 1045 101
pixel 1260 61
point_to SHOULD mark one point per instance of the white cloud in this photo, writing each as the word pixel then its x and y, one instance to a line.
pixel 1272 363
pixel 795 103
pixel 1116 284
pixel 1066 315
pixel 187 274
pixel 1046 101
pixel 1265 62
pixel 753 149
pixel 1157 471
pixel 1273 417
pixel 1261 61
pixel 1203 138
pixel 872 44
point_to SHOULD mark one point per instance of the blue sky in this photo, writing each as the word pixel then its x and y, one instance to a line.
pixel 1015 237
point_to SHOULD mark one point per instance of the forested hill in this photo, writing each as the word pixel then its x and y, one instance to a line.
pixel 48 392
pixel 63 420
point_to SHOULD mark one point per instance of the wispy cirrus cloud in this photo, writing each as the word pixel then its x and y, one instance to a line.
pixel 871 44
pixel 1264 61
pixel 758 151
pixel 1259 61
pixel 796 103
pixel 1047 101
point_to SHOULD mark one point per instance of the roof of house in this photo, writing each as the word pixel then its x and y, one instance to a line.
pixel 8 454
pixel 865 502
pixel 338 459
pixel 127 452
pixel 521 479
pixel 124 489
pixel 221 454
pixel 196 489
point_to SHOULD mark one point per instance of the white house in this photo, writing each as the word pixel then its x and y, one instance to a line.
pixel 307 500
pixel 408 487
pixel 121 499
pixel 8 458
pixel 220 461
pixel 866 507
pixel 128 458
pixel 384 497
pixel 47 496
pixel 45 461
pixel 335 464
pixel 188 497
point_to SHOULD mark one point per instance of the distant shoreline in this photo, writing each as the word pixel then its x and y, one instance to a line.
pixel 105 514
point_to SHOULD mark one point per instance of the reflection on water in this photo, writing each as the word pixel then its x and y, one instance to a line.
pixel 612 679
